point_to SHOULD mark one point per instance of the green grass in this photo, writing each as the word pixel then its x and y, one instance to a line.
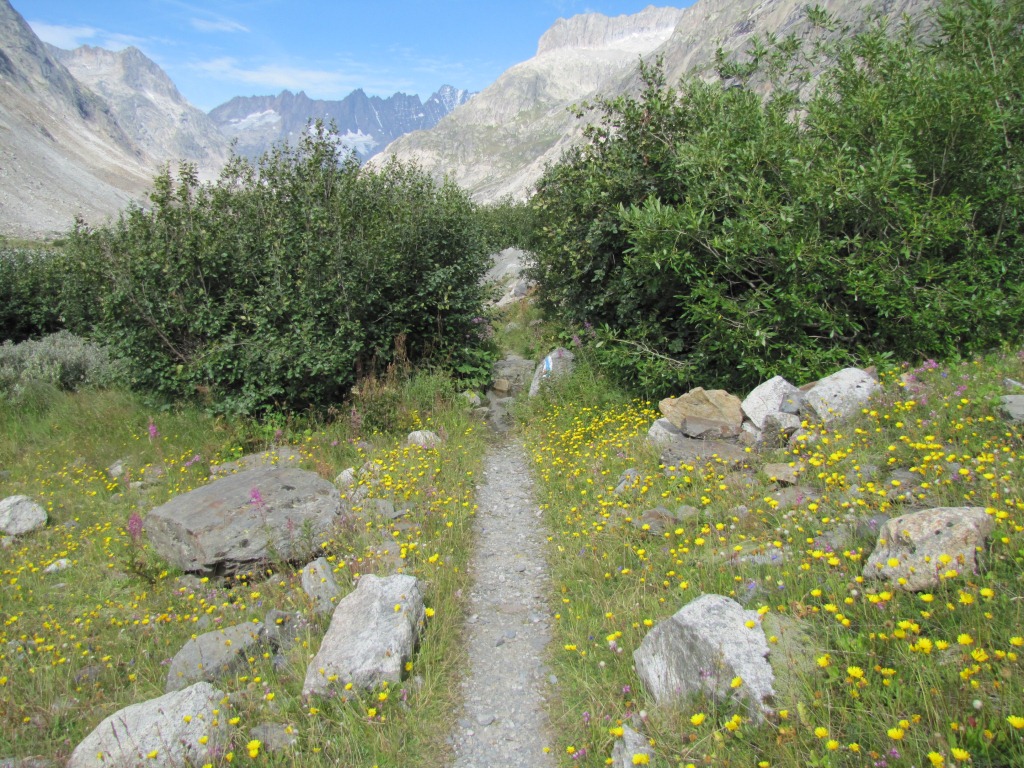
pixel 865 674
pixel 78 645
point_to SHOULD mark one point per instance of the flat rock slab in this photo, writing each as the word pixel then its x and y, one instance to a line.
pixel 696 453
pixel 915 550
pixel 704 413
pixel 372 635
pixel 20 515
pixel 227 526
pixel 127 737
pixel 1012 408
pixel 840 395
pixel 702 648
pixel 212 654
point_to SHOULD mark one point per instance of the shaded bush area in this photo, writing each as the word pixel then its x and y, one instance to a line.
pixel 61 360
pixel 30 282
pixel 718 237
pixel 284 282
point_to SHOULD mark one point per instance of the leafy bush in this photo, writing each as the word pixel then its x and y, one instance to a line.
pixel 284 282
pixel 29 287
pixel 718 237
pixel 61 360
pixel 507 224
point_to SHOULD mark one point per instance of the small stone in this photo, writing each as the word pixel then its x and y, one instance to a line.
pixel 57 566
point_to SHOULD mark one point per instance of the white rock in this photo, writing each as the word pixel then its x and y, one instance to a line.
pixel 768 398
pixel 208 656
pixel 318 582
pixel 631 744
pixel 57 566
pixel 20 515
pixel 556 365
pixel 840 395
pixel 129 736
pixel 424 438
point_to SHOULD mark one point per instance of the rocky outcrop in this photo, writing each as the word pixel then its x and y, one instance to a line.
pixel 840 395
pixel 211 655
pixel 372 635
pixel 916 551
pixel 20 515
pixel 176 730
pixel 231 524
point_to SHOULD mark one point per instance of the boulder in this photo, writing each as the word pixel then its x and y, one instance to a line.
pixel 697 453
pixel 840 395
pixel 212 654
pixel 915 550
pixel 281 628
pixel 556 365
pixel 372 635
pixel 424 438
pixel 779 427
pixel 20 515
pixel 702 649
pixel 768 398
pixel 1012 408
pixel 628 747
pixel 628 480
pixel 318 582
pixel 276 457
pixel 663 432
pixel 704 414
pixel 515 370
pixel 129 736
pixel 255 515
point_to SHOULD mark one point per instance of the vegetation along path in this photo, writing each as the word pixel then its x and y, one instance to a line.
pixel 503 722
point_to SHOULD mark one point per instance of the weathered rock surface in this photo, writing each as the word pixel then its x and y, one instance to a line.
pixel 553 367
pixel 424 438
pixel 20 515
pixel 124 739
pixel 705 414
pixel 769 398
pixel 840 395
pixel 212 654
pixel 283 455
pixel 631 744
pixel 517 371
pixel 242 519
pixel 914 550
pixel 699 452
pixel 701 649
pixel 1012 407
pixel 371 636
pixel 318 582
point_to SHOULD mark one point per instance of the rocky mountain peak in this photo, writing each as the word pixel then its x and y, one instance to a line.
pixel 641 31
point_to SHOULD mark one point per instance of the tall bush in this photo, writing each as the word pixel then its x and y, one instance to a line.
pixel 284 281
pixel 719 237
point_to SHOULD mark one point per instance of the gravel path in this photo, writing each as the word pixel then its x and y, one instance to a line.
pixel 503 724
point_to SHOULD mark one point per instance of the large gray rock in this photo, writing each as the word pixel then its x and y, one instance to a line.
pixel 914 550
pixel 211 655
pixel 704 414
pixel 258 514
pixel 697 453
pixel 127 737
pixel 318 582
pixel 768 398
pixel 840 395
pixel 702 649
pixel 516 371
pixel 556 365
pixel 20 515
pixel 372 635
pixel 424 438
pixel 1012 407
pixel 631 744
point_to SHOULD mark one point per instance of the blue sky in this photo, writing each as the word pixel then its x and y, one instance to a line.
pixel 227 48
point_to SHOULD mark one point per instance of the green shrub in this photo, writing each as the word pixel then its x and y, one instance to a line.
pixel 718 237
pixel 29 291
pixel 60 360
pixel 284 282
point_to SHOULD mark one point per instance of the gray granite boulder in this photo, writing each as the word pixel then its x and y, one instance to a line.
pixel 914 550
pixel 236 522
pixel 171 726
pixel 630 745
pixel 372 635
pixel 319 584
pixel 1012 408
pixel 840 395
pixel 424 438
pixel 20 515
pixel 768 398
pixel 211 655
pixel 702 649
pixel 558 364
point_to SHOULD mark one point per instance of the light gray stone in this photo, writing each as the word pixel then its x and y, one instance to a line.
pixel 472 399
pixel 127 737
pixel 57 566
pixel 663 432
pixel 372 635
pixel 1012 407
pixel 701 649
pixel 518 371
pixel 318 582
pixel 281 628
pixel 424 438
pixel 274 737
pixel 628 480
pixel 630 745
pixel 212 654
pixel 20 515
pixel 914 550
pixel 784 474
pixel 768 398
pixel 281 456
pixel 697 453
pixel 840 395
pixel 779 427
pixel 556 365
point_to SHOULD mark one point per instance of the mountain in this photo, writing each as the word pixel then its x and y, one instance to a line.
pixel 500 142
pixel 366 123
pixel 148 106
pixel 62 150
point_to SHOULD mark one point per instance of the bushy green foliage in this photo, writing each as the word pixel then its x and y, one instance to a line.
pixel 718 237
pixel 284 282
pixel 507 223
pixel 29 285
pixel 61 360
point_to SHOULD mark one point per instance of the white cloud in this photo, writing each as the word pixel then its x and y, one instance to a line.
pixel 63 36
pixel 217 25
pixel 318 83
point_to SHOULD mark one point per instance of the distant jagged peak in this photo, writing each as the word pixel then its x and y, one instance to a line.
pixel 642 31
